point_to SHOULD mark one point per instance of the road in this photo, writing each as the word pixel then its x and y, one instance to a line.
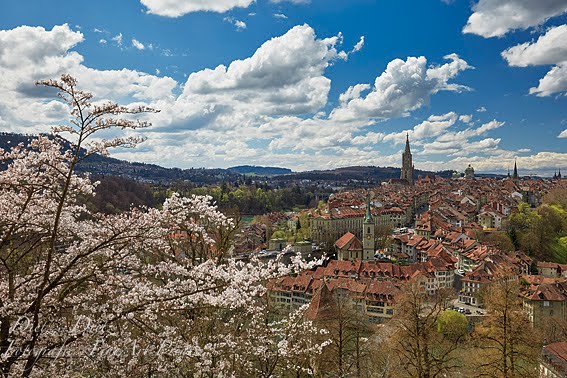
pixel 473 309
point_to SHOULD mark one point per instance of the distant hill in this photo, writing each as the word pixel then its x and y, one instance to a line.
pixel 356 173
pixel 106 166
pixel 260 171
pixel 99 165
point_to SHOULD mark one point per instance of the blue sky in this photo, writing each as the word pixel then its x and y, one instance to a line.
pixel 305 84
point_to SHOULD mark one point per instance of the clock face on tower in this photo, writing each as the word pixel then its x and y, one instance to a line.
pixel 368 237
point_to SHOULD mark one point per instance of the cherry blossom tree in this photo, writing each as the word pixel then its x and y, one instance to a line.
pixel 84 293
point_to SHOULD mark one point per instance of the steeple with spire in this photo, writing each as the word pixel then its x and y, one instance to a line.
pixel 407 164
pixel 515 174
pixel 368 216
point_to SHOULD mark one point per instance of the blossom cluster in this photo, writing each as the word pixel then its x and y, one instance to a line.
pixel 148 291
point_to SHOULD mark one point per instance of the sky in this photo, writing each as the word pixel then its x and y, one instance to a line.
pixel 304 84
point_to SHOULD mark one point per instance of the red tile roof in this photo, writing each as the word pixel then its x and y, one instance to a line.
pixel 344 240
pixel 556 354
pixel 322 306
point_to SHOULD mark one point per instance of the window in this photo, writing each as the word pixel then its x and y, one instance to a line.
pixel 545 303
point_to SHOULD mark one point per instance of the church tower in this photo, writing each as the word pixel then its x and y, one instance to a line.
pixel 368 246
pixel 515 176
pixel 407 164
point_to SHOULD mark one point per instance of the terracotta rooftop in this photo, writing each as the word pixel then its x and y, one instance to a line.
pixel 556 354
pixel 547 291
pixel 322 306
pixel 344 240
pixel 356 245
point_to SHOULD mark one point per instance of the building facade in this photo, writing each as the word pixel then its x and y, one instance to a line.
pixel 368 234
pixel 407 164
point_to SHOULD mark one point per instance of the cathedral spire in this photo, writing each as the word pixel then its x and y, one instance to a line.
pixel 515 174
pixel 406 172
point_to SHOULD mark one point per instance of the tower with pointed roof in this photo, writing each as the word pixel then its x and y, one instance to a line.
pixel 407 164
pixel 515 174
pixel 469 172
pixel 368 229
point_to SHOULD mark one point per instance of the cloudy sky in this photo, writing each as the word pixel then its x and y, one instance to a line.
pixel 304 84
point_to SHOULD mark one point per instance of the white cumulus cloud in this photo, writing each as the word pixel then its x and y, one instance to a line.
pixel 266 108
pixel 28 54
pixel 466 118
pixel 359 45
pixel 284 75
pixel 137 44
pixel 403 87
pixel 177 8
pixel 495 18
pixel 240 25
pixel 549 49
pixel 118 39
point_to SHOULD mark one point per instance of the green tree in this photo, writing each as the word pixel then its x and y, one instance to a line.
pixel 501 240
pixel 452 324
pixel 537 231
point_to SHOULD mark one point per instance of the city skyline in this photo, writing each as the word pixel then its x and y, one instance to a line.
pixel 305 84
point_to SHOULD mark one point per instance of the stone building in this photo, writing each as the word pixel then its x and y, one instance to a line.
pixel 407 164
pixel 334 223
pixel 554 360
pixel 515 176
pixel 546 302
pixel 368 233
pixel 348 247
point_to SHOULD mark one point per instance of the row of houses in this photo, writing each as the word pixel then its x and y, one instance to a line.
pixel 372 286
